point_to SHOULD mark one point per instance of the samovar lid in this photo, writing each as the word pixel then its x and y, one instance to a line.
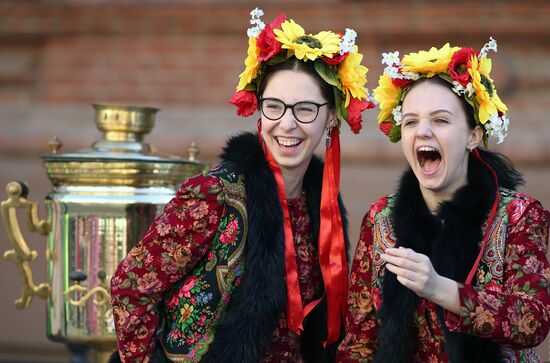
pixel 121 157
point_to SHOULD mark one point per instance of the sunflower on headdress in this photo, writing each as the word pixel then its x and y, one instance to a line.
pixel 486 95
pixel 387 96
pixel 353 76
pixel 336 59
pixel 429 63
pixel 466 69
pixel 251 63
pixel 293 37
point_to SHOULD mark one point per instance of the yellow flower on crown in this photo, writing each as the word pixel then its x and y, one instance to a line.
pixel 466 70
pixel 431 62
pixel 251 63
pixel 293 37
pixel 334 57
pixel 353 76
pixel 387 96
pixel 486 95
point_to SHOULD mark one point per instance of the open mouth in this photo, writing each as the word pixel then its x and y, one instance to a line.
pixel 288 143
pixel 429 159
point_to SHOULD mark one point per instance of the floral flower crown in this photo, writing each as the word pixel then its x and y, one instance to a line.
pixel 336 59
pixel 468 72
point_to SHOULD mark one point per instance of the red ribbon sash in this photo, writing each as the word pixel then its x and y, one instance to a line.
pixel 489 221
pixel 332 251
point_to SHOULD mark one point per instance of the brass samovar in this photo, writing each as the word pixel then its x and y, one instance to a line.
pixel 103 200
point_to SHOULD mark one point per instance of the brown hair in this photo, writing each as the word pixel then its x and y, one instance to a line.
pixel 508 177
pixel 294 64
pixel 468 109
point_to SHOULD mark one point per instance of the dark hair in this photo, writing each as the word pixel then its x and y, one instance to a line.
pixel 294 64
pixel 466 107
pixel 508 176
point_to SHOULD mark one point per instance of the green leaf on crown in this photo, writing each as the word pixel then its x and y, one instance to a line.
pixel 279 58
pixel 446 77
pixel 339 102
pixel 250 87
pixel 395 133
pixel 327 72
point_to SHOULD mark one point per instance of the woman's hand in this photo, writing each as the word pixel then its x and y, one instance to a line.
pixel 415 271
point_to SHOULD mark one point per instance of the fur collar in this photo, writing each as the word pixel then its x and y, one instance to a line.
pixel 243 334
pixel 457 227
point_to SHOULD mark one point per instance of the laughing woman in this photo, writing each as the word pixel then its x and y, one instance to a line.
pixel 451 267
pixel 247 263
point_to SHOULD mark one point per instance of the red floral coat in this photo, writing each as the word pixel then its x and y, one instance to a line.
pixel 195 229
pixel 510 304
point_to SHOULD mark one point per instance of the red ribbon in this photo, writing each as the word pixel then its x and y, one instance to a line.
pixel 332 251
pixel 489 221
pixel 295 314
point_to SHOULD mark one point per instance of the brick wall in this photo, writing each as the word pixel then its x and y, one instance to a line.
pixel 186 56
pixel 58 57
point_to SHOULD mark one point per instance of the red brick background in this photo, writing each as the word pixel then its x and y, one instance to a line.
pixel 184 57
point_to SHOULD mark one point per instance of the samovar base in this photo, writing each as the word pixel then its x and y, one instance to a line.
pixel 102 354
pixel 82 353
pixel 79 352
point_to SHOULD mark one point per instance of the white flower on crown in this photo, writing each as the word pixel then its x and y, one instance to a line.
pixel 470 89
pixel 390 58
pixel 392 62
pixel 393 66
pixel 497 126
pixel 393 72
pixel 460 90
pixel 490 45
pixel 370 97
pixel 397 115
pixel 348 41
pixel 411 75
pixel 259 25
pixel 257 13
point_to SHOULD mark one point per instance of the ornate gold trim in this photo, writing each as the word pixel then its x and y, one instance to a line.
pixel 21 255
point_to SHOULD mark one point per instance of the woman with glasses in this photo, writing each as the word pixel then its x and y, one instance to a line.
pixel 451 267
pixel 248 262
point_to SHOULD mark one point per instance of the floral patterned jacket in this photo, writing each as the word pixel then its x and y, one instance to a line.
pixel 161 264
pixel 210 270
pixel 510 304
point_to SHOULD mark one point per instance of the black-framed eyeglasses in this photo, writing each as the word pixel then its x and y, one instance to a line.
pixel 305 111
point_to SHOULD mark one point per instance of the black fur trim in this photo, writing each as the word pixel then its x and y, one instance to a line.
pixel 247 328
pixel 457 228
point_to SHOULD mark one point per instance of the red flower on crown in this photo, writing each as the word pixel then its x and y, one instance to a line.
pixel 355 108
pixel 266 42
pixel 246 102
pixel 336 59
pixel 385 127
pixel 459 64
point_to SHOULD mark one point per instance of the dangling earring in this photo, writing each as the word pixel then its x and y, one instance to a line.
pixel 469 148
pixel 328 141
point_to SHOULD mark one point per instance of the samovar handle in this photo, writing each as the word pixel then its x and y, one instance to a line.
pixel 21 255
